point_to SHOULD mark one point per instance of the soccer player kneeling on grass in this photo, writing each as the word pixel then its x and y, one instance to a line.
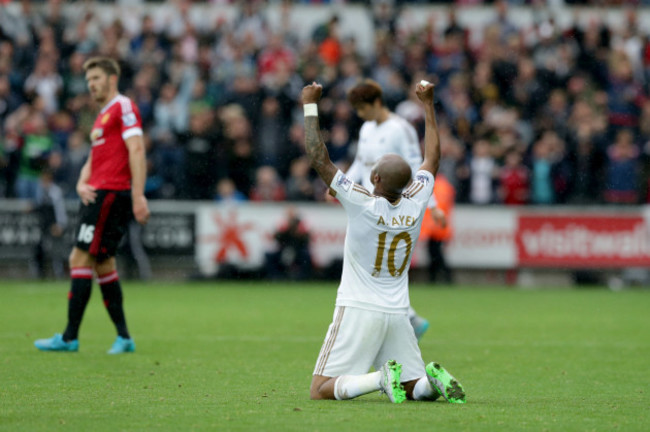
pixel 370 326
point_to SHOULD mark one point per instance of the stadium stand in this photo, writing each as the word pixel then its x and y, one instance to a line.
pixel 218 92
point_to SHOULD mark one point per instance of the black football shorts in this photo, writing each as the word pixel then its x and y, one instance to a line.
pixel 103 223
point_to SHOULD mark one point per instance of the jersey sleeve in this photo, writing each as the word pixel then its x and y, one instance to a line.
pixel 130 120
pixel 352 196
pixel 421 189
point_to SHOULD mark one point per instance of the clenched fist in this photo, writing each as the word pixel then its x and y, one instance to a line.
pixel 311 93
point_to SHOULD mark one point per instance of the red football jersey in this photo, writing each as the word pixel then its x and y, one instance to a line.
pixel 516 185
pixel 117 121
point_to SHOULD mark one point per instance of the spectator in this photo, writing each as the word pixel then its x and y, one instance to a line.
pixel 322 31
pixel 292 258
pixel 268 186
pixel 506 27
pixel 202 155
pixel 61 125
pixel 437 230
pixel 46 83
pixel 482 172
pixel 514 179
pixel 447 58
pixel 624 94
pixel 9 100
pixel 299 186
pixel 338 146
pixel 170 113
pixel 49 205
pixel 330 49
pixel 452 156
pixel 276 56
pixel 562 169
pixel 241 165
pixel 251 27
pixel 72 160
pixel 622 170
pixel 270 134
pixel 227 193
pixel 37 147
pixel 74 78
pixel 589 164
pixel 542 191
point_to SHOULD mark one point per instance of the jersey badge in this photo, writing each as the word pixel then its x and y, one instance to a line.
pixel 422 179
pixel 343 182
pixel 96 134
pixel 129 119
pixel 105 118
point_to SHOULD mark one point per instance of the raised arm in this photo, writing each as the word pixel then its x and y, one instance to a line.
pixel 431 138
pixel 314 145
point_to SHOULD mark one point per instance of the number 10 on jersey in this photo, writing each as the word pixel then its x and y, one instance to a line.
pixel 390 259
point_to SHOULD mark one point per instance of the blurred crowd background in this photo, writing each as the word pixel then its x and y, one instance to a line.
pixel 529 113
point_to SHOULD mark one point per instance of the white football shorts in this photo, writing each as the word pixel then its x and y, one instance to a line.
pixel 358 339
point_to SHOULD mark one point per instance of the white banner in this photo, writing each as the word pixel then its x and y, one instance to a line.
pixel 483 238
pixel 242 234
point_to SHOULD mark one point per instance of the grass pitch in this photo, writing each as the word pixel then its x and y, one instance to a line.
pixel 239 356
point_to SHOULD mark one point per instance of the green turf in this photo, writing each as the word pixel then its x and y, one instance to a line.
pixel 227 356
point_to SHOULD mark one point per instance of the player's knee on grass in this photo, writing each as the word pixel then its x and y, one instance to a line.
pixel 321 388
pixel 408 387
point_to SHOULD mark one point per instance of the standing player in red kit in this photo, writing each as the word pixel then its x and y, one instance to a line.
pixel 111 188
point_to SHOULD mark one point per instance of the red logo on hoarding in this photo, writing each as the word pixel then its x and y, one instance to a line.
pixel 229 236
pixel 582 241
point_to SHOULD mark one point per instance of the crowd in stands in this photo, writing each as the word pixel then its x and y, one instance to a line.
pixel 528 115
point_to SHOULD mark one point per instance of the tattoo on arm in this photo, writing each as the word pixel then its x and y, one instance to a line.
pixel 317 152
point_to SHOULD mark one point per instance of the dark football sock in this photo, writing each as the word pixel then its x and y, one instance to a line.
pixel 80 288
pixel 112 293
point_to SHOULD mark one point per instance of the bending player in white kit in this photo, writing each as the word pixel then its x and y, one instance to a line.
pixel 370 325
pixel 385 132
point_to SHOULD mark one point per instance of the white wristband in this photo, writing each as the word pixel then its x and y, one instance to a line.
pixel 311 110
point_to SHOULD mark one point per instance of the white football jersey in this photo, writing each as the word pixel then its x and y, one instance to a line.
pixel 395 135
pixel 379 243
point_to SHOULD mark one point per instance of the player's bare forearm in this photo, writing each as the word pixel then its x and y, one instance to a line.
pixel 84 175
pixel 431 140
pixel 137 165
pixel 317 152
pixel 86 192
pixel 424 92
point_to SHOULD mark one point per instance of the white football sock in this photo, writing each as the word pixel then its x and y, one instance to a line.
pixel 351 386
pixel 424 391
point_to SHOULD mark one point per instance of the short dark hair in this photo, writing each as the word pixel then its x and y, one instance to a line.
pixel 366 92
pixel 106 64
